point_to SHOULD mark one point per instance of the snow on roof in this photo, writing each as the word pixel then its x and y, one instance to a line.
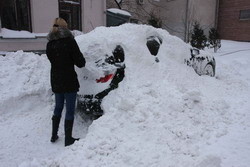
pixel 119 11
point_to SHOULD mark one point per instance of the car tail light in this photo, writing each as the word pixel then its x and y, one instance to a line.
pixel 105 79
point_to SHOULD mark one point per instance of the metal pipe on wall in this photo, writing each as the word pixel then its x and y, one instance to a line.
pixel 186 22
pixel 216 14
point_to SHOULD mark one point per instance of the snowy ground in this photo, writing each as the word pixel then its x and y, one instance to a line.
pixel 168 120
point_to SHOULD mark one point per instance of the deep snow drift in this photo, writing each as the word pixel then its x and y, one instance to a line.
pixel 162 115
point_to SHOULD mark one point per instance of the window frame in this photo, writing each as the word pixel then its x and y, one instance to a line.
pixel 75 3
pixel 17 16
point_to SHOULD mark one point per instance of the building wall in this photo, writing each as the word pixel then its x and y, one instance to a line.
pixel 229 25
pixel 181 14
pixel 177 16
pixel 206 13
pixel 23 44
pixel 43 12
pixel 93 14
pixel 140 12
pixel 174 16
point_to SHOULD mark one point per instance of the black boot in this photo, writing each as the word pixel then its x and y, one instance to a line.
pixel 68 127
pixel 55 126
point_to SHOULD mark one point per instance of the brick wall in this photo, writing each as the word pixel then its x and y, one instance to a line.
pixel 229 24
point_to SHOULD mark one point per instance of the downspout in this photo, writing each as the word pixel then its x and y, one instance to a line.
pixel 104 13
pixel 1 11
pixel 82 17
pixel 216 14
pixel 0 24
pixel 186 22
pixel 0 17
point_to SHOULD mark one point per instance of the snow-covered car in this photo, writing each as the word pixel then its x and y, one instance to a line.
pixel 202 62
pixel 106 60
pixel 89 105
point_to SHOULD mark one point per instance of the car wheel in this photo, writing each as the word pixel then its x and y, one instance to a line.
pixel 209 70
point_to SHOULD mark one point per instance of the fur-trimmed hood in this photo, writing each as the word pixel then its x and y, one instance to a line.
pixel 61 33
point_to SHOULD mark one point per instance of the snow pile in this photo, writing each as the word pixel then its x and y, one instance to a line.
pixel 22 74
pixel 162 115
pixel 26 105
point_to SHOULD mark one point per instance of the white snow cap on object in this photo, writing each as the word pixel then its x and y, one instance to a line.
pixel 119 11
pixel 71 2
pixel 6 33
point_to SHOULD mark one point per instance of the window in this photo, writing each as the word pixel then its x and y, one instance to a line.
pixel 15 15
pixel 70 11
pixel 245 14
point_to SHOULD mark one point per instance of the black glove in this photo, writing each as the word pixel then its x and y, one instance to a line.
pixel 102 94
pixel 99 96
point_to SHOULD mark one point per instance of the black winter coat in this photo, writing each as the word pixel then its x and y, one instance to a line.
pixel 63 53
